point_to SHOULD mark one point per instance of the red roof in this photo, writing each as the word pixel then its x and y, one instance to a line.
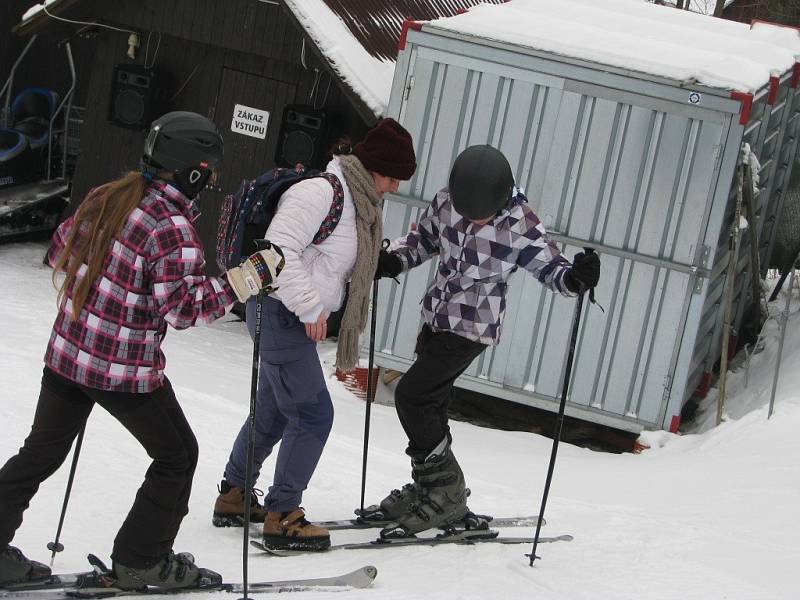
pixel 376 24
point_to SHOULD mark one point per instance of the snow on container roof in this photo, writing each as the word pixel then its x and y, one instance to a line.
pixel 638 36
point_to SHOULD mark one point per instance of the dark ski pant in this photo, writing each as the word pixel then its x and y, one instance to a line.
pixel 424 393
pixel 293 406
pixel 156 421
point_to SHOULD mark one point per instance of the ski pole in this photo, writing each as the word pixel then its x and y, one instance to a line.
pixel 576 321
pixel 370 391
pixel 251 433
pixel 56 546
pixel 784 319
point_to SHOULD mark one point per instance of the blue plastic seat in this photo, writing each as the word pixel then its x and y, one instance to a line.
pixel 12 144
pixel 31 111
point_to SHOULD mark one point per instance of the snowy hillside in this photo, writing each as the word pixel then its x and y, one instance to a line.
pixel 703 516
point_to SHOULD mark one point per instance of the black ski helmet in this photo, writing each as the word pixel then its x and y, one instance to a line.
pixel 186 144
pixel 480 182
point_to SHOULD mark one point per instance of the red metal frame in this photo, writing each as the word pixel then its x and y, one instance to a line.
pixel 747 105
pixel 407 24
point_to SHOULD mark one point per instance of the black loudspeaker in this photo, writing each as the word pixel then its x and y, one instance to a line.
pixel 133 93
pixel 301 136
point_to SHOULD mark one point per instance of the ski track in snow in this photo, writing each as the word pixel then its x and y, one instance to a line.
pixel 707 515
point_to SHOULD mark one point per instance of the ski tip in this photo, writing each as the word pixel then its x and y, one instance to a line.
pixel 259 545
pixel 361 578
pixel 97 563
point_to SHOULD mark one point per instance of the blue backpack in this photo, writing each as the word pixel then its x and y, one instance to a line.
pixel 246 214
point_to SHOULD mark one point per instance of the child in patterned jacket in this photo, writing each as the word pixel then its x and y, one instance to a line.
pixel 483 231
pixel 133 264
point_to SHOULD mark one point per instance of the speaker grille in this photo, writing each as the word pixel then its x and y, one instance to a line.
pixel 129 107
pixel 298 147
pixel 133 96
pixel 301 136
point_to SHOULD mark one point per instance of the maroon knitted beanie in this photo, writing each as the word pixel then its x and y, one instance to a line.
pixel 388 149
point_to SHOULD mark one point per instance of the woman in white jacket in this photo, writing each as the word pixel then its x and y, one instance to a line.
pixel 293 403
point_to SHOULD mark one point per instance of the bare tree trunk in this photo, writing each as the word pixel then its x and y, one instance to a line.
pixel 718 8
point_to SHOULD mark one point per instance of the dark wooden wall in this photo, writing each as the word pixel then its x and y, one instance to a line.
pixel 210 54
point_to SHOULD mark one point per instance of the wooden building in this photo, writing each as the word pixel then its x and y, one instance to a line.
pixel 137 60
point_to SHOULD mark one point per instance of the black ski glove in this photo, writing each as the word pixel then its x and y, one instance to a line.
pixel 389 265
pixel 585 271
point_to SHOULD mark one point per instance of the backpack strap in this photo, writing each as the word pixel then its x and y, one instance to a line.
pixel 335 212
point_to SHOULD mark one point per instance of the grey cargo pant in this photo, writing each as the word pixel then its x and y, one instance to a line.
pixel 293 406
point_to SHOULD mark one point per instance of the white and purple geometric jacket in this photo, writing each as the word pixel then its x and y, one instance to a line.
pixel 468 295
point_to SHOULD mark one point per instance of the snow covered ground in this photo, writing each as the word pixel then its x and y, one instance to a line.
pixel 702 516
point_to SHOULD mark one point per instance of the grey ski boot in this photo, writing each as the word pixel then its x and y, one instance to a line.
pixel 442 498
pixel 397 502
pixel 393 506
pixel 15 567
pixel 174 571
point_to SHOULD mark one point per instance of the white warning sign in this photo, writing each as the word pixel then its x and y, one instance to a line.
pixel 249 121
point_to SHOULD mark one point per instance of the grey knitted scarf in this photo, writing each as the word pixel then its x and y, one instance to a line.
pixel 369 230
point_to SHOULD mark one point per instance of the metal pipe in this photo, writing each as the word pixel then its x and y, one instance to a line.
pixel 733 254
pixel 67 114
pixel 67 97
pixel 10 81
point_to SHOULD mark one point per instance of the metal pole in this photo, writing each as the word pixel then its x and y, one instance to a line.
pixel 783 320
pixel 10 81
pixel 67 97
pixel 56 546
pixel 752 230
pixel 370 391
pixel 65 140
pixel 576 321
pixel 251 435
pixel 733 259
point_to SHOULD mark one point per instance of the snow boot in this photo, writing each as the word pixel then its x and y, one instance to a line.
pixel 229 507
pixel 174 571
pixel 291 531
pixel 442 498
pixel 15 567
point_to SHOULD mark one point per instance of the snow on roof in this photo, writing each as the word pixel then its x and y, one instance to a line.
pixel 638 36
pixel 36 9
pixel 369 77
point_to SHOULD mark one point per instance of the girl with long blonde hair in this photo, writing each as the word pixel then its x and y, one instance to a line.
pixel 132 263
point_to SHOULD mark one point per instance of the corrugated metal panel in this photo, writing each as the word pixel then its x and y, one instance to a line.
pixel 628 171
pixel 772 135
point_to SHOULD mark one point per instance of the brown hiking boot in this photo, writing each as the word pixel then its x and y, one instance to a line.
pixel 229 507
pixel 291 531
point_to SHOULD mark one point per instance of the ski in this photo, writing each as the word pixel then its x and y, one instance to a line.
pixel 360 523
pixel 56 581
pixel 64 587
pixel 489 537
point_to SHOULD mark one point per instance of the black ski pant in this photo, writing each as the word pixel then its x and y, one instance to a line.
pixel 156 421
pixel 424 393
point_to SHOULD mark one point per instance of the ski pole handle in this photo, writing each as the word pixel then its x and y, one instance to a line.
pixel 589 250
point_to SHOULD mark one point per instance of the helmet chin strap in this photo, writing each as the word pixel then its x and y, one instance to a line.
pixel 191 181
